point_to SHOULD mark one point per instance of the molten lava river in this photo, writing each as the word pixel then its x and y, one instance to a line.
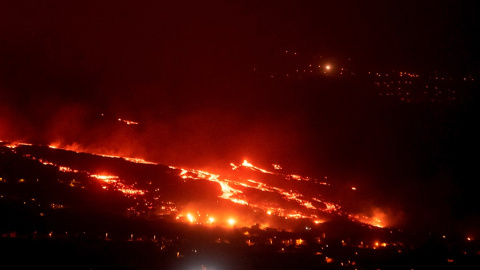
pixel 242 195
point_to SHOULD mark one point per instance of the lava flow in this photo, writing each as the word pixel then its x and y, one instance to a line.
pixel 246 196
pixel 300 206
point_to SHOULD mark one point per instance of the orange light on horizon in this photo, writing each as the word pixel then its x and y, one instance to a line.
pixel 231 221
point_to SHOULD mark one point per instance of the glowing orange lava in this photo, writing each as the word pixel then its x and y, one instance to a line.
pixel 128 122
pixel 286 202
pixel 234 191
pixel 115 183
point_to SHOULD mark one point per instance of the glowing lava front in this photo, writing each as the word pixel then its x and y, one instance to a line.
pixel 271 197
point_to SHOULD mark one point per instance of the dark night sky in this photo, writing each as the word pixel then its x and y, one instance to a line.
pixel 183 69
